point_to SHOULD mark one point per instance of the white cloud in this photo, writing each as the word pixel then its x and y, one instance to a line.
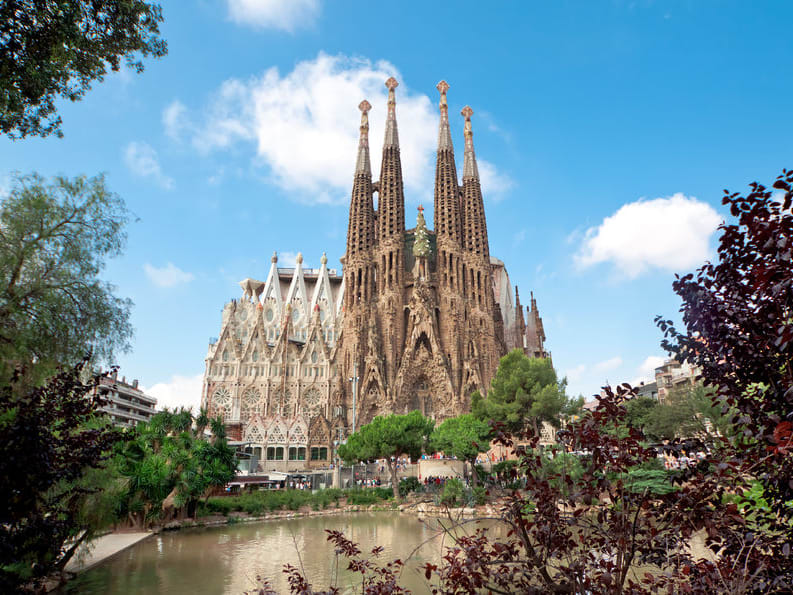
pixel 670 233
pixel 179 391
pixel 494 183
pixel 608 365
pixel 167 276
pixel 287 259
pixel 574 374
pixel 141 159
pixel 288 15
pixel 304 125
pixel 174 118
pixel 646 372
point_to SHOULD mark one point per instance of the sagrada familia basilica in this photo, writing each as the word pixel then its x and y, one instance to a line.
pixel 418 319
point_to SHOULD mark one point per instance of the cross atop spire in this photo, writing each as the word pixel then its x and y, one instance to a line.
pixel 470 170
pixel 391 136
pixel 421 208
pixel 362 165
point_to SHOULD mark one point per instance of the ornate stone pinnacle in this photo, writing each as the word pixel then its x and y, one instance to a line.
pixel 467 112
pixel 391 84
pixel 274 257
pixel 324 259
pixel 443 86
pixel 364 106
pixel 421 208
pixel 299 259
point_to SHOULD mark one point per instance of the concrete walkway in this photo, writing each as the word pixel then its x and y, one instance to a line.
pixel 102 548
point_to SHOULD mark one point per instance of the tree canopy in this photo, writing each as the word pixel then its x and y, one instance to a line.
pixel 52 49
pixel 55 237
pixel 169 465
pixel 463 437
pixel 524 390
pixel 50 438
pixel 386 437
pixel 739 329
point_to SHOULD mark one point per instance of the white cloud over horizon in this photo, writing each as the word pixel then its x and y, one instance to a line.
pixel 141 159
pixel 287 15
pixel 646 371
pixel 304 127
pixel 672 234
pixel 167 276
pixel 179 391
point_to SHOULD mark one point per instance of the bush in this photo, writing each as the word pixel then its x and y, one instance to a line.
pixel 407 485
pixel 452 492
pixel 480 495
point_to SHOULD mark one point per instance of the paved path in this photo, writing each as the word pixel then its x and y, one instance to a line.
pixel 102 548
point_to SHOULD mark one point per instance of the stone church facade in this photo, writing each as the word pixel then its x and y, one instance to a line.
pixel 418 320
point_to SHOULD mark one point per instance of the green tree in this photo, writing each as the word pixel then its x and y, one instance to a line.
pixel 688 412
pixel 54 239
pixel 52 49
pixel 389 437
pixel 524 390
pixel 169 466
pixel 51 439
pixel 463 437
pixel 640 409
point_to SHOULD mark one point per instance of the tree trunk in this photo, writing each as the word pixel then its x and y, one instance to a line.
pixel 473 473
pixel 392 467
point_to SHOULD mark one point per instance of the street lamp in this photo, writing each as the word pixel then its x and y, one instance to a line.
pixel 354 379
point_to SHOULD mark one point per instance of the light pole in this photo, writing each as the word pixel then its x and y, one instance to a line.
pixel 354 379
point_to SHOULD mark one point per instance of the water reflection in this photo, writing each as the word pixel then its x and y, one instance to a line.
pixel 228 559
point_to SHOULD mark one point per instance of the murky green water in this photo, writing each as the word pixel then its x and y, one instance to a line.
pixel 228 559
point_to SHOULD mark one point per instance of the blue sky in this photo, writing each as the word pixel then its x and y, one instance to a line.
pixel 605 131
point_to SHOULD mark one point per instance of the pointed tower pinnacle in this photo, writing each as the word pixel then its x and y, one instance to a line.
pixel 391 136
pixel 444 135
pixel 361 231
pixel 470 170
pixel 391 203
pixel 362 165
pixel 447 218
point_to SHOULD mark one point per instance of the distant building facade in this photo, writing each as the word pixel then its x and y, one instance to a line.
pixel 126 404
pixel 418 319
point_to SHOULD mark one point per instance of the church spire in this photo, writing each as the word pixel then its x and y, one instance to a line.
pixel 362 165
pixel 447 217
pixel 361 231
pixel 470 170
pixel 391 203
pixel 444 135
pixel 391 135
pixel 475 233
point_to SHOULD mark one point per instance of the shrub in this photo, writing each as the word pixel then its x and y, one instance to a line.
pixel 407 485
pixel 452 492
pixel 480 495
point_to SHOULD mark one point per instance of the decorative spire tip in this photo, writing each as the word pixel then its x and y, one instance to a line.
pixel 467 112
pixel 299 258
pixel 391 84
pixel 364 106
pixel 274 257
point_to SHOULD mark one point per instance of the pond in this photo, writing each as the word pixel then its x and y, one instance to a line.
pixel 227 559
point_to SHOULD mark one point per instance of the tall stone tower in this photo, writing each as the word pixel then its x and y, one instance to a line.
pixel 418 320
pixel 421 329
